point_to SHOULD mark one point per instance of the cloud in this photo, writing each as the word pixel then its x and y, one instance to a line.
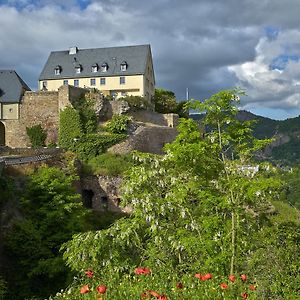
pixel 203 45
pixel 272 79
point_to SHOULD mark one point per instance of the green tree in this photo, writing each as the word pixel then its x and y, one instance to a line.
pixel 52 212
pixel 194 210
pixel 165 102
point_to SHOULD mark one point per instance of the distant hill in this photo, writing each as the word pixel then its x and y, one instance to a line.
pixel 286 146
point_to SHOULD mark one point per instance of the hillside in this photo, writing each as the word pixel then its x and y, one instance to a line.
pixel 286 145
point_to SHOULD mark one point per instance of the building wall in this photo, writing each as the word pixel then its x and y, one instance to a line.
pixel 9 111
pixel 35 108
pixel 39 108
pixel 134 84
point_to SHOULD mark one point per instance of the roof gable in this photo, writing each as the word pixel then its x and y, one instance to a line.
pixel 135 57
pixel 12 86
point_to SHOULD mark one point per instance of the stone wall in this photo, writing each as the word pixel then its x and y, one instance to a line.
pixel 43 108
pixel 35 108
pixel 67 93
pixel 150 139
pixel 146 116
pixel 103 191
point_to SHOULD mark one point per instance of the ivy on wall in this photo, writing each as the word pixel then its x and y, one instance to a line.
pixel 69 127
pixel 92 145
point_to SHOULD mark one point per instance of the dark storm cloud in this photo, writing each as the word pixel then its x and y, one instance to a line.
pixel 203 45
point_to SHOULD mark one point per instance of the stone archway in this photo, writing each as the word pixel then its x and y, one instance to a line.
pixel 2 134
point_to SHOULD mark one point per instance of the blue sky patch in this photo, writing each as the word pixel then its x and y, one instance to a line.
pixel 282 60
pixel 272 32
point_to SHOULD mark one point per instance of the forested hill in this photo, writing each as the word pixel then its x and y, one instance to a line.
pixel 286 132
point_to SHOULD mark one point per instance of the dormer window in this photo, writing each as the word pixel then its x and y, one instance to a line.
pixel 124 66
pixel 57 70
pixel 104 67
pixel 78 69
pixel 95 68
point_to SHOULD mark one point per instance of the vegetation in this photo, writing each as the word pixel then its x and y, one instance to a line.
pixel 92 145
pixel 70 128
pixel 136 102
pixel 32 245
pixel 108 164
pixel 207 221
pixel 200 213
pixel 165 102
pixel 88 119
pixel 118 124
pixel 37 135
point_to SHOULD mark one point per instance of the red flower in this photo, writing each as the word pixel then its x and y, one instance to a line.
pixel 154 294
pixel 144 295
pixel 179 285
pixel 244 295
pixel 252 287
pixel 244 277
pixel 100 298
pixel 206 277
pixel 224 286
pixel 142 271
pixel 162 297
pixel 89 273
pixel 101 289
pixel 231 278
pixel 198 275
pixel 85 289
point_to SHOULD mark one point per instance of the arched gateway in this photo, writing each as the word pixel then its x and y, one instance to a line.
pixel 2 134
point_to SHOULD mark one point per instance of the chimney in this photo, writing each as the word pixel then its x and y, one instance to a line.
pixel 73 50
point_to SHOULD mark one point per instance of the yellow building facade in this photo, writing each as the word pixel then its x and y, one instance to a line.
pixel 116 71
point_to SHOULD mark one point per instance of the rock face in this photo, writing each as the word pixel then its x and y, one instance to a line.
pixel 101 193
pixel 147 138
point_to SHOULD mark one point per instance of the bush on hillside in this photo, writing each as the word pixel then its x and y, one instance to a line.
pixel 92 145
pixel 37 135
pixel 118 124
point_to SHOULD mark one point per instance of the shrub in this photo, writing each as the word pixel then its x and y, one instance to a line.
pixel 118 124
pixel 37 135
pixel 108 164
pixel 91 145
pixel 69 127
pixel 136 102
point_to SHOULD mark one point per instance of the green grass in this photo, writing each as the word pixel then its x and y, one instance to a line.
pixel 107 164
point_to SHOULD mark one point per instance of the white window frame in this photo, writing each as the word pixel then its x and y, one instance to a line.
pixel 122 80
pixel 93 81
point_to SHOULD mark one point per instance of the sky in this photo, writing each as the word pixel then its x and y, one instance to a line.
pixel 202 45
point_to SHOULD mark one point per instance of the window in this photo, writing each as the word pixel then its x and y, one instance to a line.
pixel 102 81
pixel 93 81
pixel 66 82
pixel 76 82
pixel 44 87
pixel 94 68
pixel 104 67
pixel 124 66
pixel 10 110
pixel 57 70
pixel 123 94
pixel 78 69
pixel 122 80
